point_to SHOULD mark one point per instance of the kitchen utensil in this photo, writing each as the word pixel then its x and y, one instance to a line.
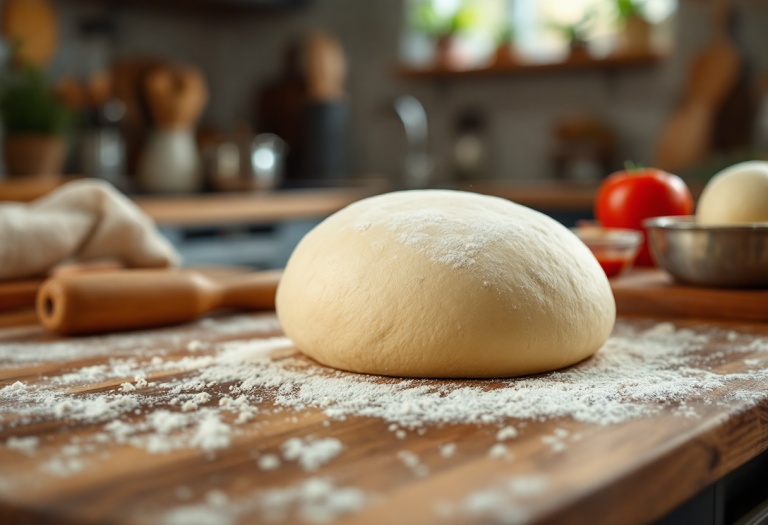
pixel 326 144
pixel 170 161
pixel 176 96
pixel 721 256
pixel 15 295
pixel 325 67
pixel 654 293
pixel 686 138
pixel 418 163
pixel 614 248
pixel 325 152
pixel 31 23
pixel 267 154
pixel 130 299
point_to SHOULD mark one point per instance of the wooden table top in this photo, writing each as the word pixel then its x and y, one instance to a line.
pixel 272 206
pixel 88 465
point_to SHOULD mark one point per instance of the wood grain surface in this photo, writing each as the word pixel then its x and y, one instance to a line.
pixel 654 292
pixel 628 473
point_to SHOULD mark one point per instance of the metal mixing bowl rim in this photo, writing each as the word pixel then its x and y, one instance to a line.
pixel 688 222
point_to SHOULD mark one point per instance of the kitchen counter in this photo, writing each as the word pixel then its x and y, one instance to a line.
pixel 294 204
pixel 319 203
pixel 64 459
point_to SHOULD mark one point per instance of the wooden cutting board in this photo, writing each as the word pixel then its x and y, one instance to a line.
pixel 653 293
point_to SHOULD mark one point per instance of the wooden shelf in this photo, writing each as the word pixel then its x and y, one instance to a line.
pixel 609 62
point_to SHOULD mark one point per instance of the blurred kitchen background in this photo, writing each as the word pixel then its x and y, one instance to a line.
pixel 239 124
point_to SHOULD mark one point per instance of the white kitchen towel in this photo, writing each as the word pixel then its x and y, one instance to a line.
pixel 83 220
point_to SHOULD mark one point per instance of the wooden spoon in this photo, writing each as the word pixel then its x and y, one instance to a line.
pixel 130 299
pixel 687 135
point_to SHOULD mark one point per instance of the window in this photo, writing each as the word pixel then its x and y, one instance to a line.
pixel 538 30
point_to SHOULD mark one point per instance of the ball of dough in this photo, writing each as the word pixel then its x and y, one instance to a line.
pixel 438 283
pixel 736 195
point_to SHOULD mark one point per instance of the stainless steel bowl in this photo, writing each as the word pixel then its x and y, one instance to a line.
pixel 723 256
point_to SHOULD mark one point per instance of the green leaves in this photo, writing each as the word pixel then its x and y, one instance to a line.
pixel 629 8
pixel 425 19
pixel 29 105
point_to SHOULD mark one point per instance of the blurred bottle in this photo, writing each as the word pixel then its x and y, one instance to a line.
pixel 470 148
pixel 418 163
pixel 170 161
pixel 103 144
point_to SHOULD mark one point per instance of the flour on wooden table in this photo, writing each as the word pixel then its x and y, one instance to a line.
pixel 314 500
pixel 207 400
pixel 311 453
pixel 134 342
pixel 503 501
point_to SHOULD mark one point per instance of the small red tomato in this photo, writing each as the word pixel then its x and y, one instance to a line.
pixel 626 198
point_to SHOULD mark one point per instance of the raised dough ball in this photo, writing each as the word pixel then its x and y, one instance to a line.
pixel 736 195
pixel 439 283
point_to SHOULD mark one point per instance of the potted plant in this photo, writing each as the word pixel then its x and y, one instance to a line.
pixel 577 36
pixel 444 28
pixel 634 36
pixel 505 48
pixel 35 122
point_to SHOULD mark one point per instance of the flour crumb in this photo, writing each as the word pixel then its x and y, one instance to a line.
pixel 499 450
pixel 555 442
pixel 196 346
pixel 141 382
pixel 400 434
pixel 448 450
pixel 63 467
pixel 241 401
pixel 216 498
pixel 202 398
pixel 156 361
pixel 269 462
pixel 311 454
pixel 732 336
pixel 189 406
pixel 211 434
pixel 62 408
pixel 27 445
pixel 318 499
pixel 174 401
pixel 18 386
pixel 504 501
pixel 408 458
pixel 665 328
pixel 506 433
pixel 244 417
pixel 412 461
pixel 127 387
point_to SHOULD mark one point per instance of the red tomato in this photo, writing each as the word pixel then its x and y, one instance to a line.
pixel 626 198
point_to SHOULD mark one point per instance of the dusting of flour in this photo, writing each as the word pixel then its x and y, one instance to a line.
pixel 206 400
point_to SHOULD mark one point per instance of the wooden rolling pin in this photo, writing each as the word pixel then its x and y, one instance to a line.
pixel 129 299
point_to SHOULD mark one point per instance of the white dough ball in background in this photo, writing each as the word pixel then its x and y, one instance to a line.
pixel 736 195
pixel 439 283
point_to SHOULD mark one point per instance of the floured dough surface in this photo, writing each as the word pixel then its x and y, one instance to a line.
pixel 736 195
pixel 439 283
